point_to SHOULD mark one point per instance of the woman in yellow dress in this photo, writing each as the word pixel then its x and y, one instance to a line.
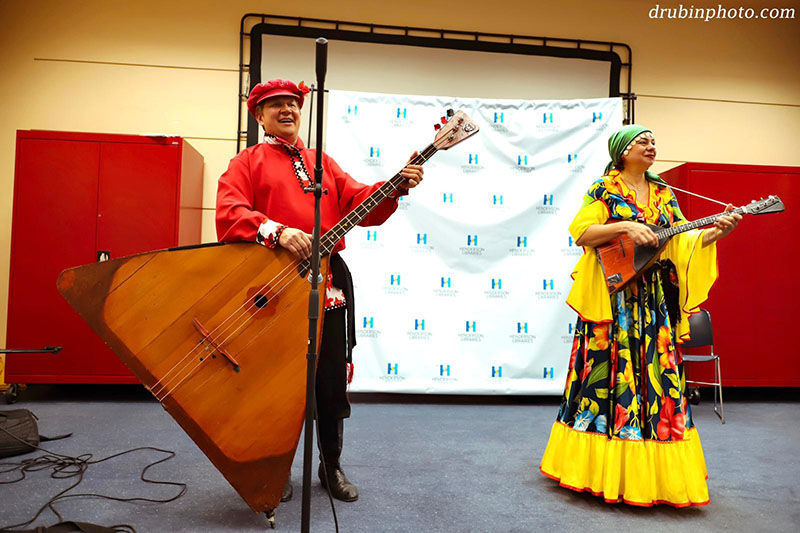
pixel 624 430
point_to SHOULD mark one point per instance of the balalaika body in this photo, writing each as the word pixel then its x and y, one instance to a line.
pixel 623 261
pixel 218 334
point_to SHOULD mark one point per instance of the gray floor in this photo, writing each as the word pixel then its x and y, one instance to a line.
pixel 421 464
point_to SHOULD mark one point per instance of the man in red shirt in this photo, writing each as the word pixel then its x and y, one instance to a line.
pixel 261 198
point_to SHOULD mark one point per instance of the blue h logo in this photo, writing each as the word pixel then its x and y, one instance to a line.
pixel 597 116
pixel 497 371
pixel 444 370
pixel 352 109
pixel 368 322
pixel 394 279
pixel 473 159
pixel 446 282
pixel 374 151
pixel 422 238
pixel 498 117
pixel 497 199
pixel 548 199
pixel 571 329
pixel 447 197
pixel 547 117
pixel 391 369
pixel 522 160
pixel 372 235
pixel 472 240
pixel 419 324
pixel 471 326
pixel 497 283
pixel 522 242
pixel 547 283
pixel 548 373
pixel 522 327
pixel 401 112
pixel 572 157
pixel 571 241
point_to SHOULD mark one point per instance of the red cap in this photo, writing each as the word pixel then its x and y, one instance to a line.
pixel 262 91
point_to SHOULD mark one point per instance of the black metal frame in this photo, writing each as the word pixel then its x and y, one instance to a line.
pixel 253 26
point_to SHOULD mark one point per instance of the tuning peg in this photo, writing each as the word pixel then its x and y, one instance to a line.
pixel 437 127
pixel 450 113
pixel 444 120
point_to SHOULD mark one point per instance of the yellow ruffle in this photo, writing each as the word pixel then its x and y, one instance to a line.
pixel 696 267
pixel 642 472
pixel 584 297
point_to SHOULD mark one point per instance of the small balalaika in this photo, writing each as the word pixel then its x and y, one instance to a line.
pixel 623 261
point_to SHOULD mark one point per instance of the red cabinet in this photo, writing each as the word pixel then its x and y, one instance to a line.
pixel 752 302
pixel 78 196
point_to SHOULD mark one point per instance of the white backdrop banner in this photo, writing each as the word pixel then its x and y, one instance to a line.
pixel 462 291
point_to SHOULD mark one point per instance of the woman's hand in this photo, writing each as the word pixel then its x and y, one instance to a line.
pixel 640 234
pixel 296 241
pixel 723 226
pixel 598 234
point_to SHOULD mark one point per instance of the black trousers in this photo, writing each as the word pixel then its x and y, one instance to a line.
pixel 338 339
pixel 331 388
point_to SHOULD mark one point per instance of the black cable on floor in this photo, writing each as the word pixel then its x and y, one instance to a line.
pixel 65 466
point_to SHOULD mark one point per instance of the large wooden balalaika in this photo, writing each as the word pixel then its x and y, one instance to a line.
pixel 218 335
pixel 623 261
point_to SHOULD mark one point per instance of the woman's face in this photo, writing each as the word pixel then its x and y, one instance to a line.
pixel 641 153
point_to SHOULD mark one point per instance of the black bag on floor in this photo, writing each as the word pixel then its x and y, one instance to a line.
pixel 19 432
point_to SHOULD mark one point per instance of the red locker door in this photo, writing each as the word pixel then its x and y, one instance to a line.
pixel 51 232
pixel 137 209
pixel 138 198
pixel 750 303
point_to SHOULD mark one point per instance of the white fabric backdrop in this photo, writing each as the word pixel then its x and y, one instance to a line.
pixel 463 289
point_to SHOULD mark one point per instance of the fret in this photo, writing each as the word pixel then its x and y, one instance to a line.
pixel 699 223
pixel 358 214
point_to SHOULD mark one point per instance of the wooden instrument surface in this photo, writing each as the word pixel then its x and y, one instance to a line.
pixel 248 422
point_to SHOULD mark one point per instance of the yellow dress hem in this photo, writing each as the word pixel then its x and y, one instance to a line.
pixel 636 472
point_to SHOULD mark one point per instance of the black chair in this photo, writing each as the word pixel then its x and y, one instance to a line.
pixel 702 335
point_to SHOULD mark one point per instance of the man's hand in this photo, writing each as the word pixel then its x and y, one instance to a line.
pixel 412 175
pixel 296 241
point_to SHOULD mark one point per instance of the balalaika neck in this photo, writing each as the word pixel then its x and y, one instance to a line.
pixel 699 223
pixel 333 235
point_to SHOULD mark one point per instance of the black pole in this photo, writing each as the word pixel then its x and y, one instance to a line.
pixel 313 298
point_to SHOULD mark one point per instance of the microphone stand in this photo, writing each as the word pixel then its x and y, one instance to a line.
pixel 314 297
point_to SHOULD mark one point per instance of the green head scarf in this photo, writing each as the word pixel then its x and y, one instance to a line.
pixel 620 140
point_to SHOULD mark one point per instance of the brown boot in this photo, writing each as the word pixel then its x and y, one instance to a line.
pixel 338 484
pixel 288 490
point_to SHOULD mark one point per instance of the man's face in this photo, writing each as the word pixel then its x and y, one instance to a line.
pixel 280 116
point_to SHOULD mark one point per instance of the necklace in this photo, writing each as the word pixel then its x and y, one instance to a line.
pixel 642 191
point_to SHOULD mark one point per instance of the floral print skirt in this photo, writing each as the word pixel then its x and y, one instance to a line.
pixel 624 429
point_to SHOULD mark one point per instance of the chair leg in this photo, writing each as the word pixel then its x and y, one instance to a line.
pixel 719 380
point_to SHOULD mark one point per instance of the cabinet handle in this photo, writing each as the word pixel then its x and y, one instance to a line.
pixel 103 255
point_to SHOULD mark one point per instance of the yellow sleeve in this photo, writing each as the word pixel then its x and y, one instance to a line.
pixel 589 295
pixel 594 213
pixel 696 267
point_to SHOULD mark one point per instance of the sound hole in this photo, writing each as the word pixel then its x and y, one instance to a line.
pixel 260 301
